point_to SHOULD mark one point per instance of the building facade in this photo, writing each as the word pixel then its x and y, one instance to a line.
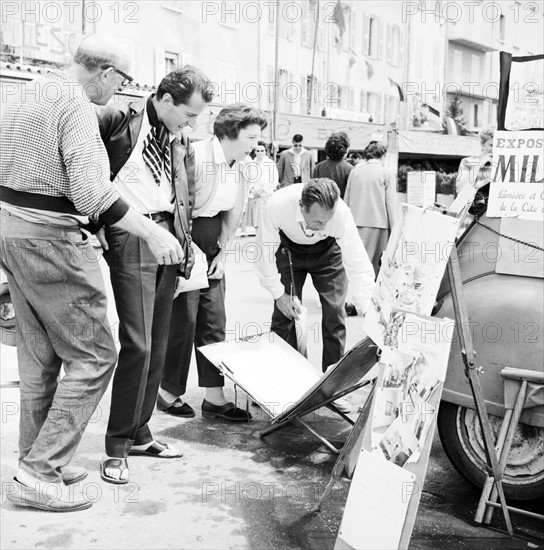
pixel 315 66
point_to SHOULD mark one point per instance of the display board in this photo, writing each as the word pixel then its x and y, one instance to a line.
pixel 421 188
pixel 517 186
pixel 391 461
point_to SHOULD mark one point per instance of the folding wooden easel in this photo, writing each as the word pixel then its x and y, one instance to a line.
pixel 326 403
pixel 347 376
pixel 472 373
pixel 344 378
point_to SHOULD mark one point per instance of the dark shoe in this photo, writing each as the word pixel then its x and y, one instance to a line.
pixel 44 499
pixel 351 310
pixel 157 450
pixel 177 408
pixel 120 464
pixel 73 474
pixel 228 411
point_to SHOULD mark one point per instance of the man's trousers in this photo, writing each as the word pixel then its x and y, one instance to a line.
pixel 58 293
pixel 323 262
pixel 143 291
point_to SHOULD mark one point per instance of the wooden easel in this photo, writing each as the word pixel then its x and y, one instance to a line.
pixel 472 373
pixel 350 444
pixel 330 405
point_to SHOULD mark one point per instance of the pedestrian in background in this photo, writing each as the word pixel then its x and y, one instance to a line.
pixel 296 164
pixel 476 171
pixel 263 180
pixel 336 166
pixel 355 158
pixel 372 198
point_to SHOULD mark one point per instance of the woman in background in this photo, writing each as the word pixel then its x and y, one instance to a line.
pixel 336 167
pixel 476 171
pixel 263 180
pixel 372 198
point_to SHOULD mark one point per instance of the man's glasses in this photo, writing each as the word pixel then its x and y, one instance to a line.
pixel 259 150
pixel 127 79
pixel 297 145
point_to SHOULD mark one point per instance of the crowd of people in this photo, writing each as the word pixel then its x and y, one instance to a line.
pixel 153 199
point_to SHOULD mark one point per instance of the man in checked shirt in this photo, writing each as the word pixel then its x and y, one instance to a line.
pixel 54 175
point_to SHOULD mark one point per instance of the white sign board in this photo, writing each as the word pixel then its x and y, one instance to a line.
pixel 421 187
pixel 517 189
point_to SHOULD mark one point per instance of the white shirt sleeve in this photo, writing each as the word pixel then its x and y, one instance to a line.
pixel 356 262
pixel 268 242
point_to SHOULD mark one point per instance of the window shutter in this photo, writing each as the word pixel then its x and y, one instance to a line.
pixel 381 39
pixel 389 44
pixel 366 35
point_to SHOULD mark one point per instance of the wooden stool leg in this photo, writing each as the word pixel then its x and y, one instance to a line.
pixel 518 408
pixel 348 447
pixel 490 480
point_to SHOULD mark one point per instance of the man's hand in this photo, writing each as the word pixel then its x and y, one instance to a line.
pixel 164 246
pixel 485 159
pixel 101 237
pixel 217 267
pixel 290 307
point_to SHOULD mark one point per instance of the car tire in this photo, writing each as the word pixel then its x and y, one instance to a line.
pixel 461 438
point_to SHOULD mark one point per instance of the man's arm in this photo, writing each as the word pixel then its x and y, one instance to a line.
pixel 391 202
pixel 268 242
pixel 230 219
pixel 164 246
pixel 355 259
pixel 311 163
pixel 281 169
pixel 91 191
pixel 347 194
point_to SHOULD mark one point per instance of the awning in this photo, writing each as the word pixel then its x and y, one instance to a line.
pixel 429 143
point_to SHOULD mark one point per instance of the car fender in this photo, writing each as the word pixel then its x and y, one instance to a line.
pixel 505 326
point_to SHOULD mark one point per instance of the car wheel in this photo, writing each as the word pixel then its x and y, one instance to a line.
pixel 462 440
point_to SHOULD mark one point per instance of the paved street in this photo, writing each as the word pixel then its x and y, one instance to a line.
pixel 233 489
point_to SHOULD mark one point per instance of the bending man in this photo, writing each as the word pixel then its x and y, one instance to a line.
pixel 316 226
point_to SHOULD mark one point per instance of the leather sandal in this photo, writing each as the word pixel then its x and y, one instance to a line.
pixel 118 463
pixel 156 450
pixel 228 411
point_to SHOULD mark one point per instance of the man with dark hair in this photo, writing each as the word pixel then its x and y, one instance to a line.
pixel 152 168
pixel 296 164
pixel 314 224
pixel 335 167
pixel 50 145
pixel 198 316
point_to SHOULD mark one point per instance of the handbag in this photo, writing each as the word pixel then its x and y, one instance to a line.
pixel 199 274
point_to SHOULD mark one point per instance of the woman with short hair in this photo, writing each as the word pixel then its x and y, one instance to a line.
pixel 336 167
pixel 198 316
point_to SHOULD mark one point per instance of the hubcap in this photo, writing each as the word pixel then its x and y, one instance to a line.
pixel 526 460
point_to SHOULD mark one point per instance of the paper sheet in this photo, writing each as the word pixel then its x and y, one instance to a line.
pixel 270 377
pixel 377 504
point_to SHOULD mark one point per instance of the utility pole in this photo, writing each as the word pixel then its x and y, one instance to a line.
pixel 276 86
